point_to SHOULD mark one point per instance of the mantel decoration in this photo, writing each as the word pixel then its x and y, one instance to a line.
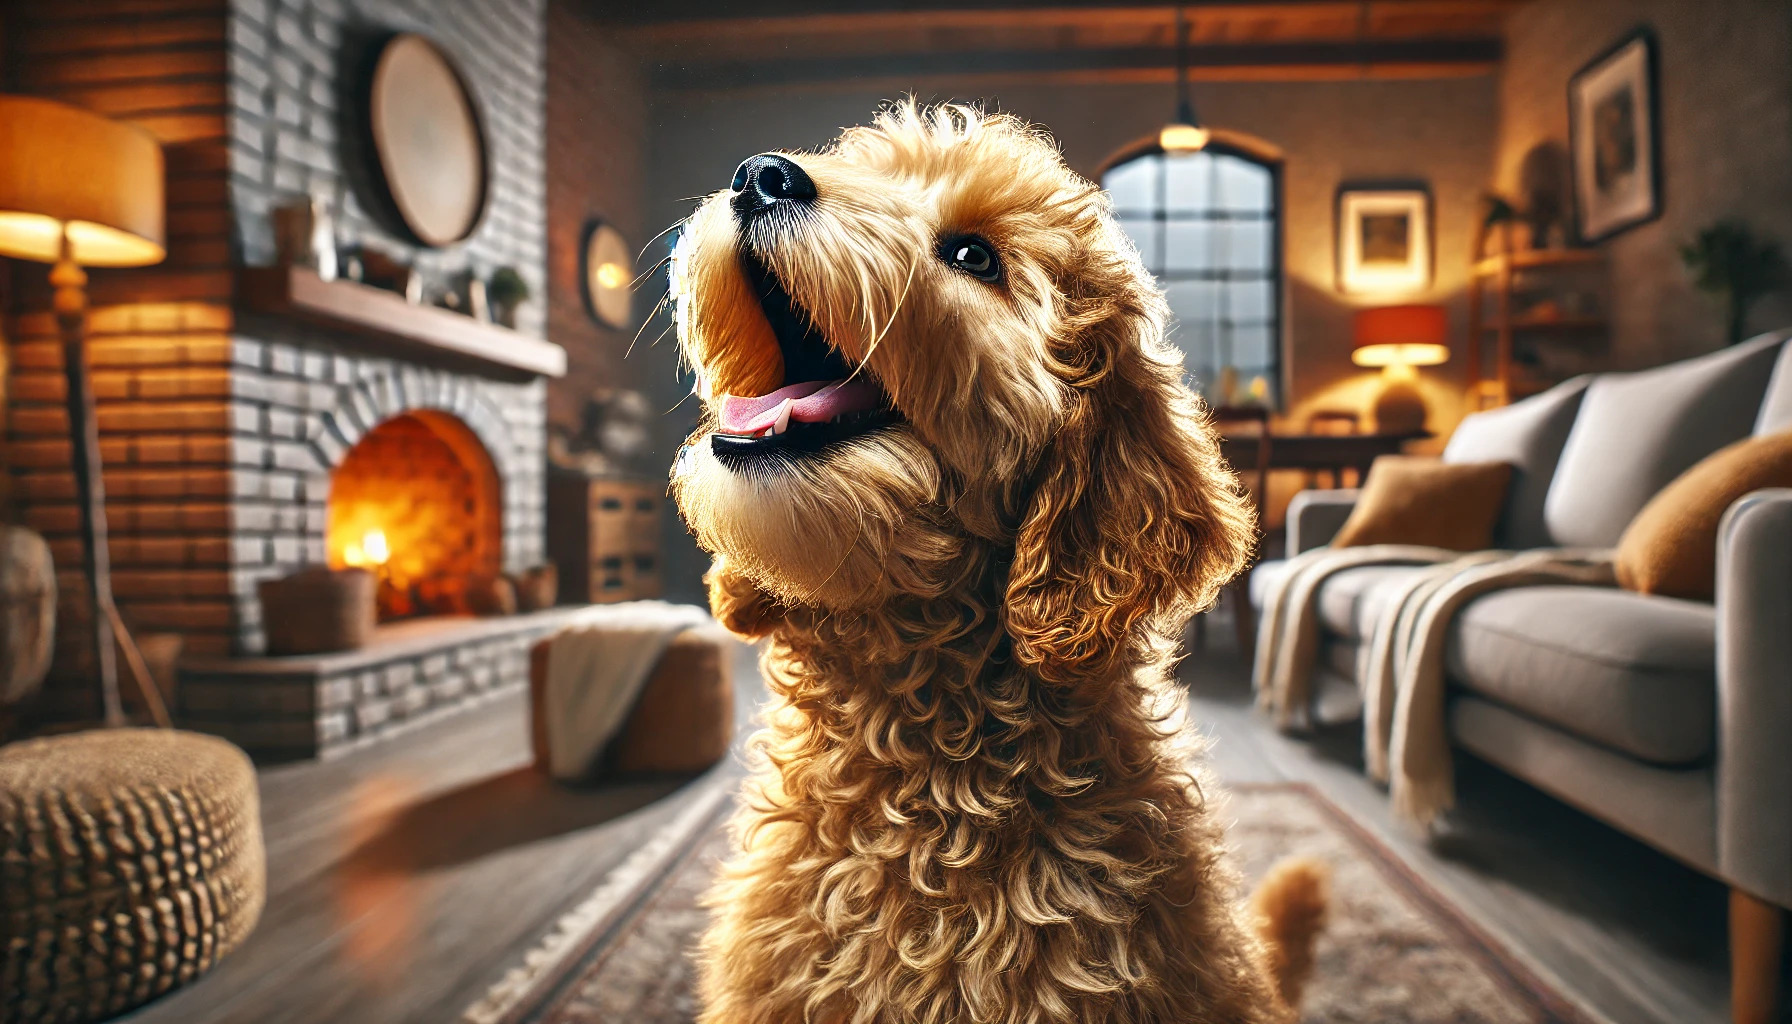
pixel 609 275
pixel 1384 239
pixel 426 137
pixel 1614 139
pixel 80 190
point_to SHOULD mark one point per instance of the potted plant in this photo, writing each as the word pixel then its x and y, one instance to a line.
pixel 506 292
pixel 1727 260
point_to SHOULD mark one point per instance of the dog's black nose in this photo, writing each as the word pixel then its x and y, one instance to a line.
pixel 764 181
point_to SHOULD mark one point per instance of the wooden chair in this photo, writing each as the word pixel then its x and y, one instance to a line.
pixel 1227 419
pixel 1332 422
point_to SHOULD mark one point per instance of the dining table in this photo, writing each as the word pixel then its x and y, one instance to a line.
pixel 1316 452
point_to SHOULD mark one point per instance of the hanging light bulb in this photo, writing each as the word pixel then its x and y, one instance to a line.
pixel 1184 134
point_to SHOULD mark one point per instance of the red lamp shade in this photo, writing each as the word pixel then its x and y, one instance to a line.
pixel 1401 336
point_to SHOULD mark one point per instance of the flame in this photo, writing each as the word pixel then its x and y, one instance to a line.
pixel 371 551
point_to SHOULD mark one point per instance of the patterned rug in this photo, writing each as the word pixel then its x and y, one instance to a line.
pixel 1396 951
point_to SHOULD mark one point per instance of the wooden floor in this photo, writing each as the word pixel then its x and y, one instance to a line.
pixel 406 879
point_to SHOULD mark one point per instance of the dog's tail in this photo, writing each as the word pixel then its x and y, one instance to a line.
pixel 1290 908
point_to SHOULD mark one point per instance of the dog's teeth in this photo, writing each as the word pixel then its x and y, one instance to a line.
pixel 783 422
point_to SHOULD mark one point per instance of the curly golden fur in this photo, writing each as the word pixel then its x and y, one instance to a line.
pixel 973 799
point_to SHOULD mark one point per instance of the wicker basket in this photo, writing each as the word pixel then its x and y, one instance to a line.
pixel 318 610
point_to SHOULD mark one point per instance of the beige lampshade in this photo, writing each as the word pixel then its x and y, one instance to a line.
pixel 63 167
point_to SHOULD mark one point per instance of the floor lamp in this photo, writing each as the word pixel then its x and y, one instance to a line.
pixel 79 190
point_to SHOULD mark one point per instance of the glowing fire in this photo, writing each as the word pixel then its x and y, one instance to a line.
pixel 372 551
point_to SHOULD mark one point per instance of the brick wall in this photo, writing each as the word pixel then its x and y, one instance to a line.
pixel 161 346
pixel 219 429
pixel 596 166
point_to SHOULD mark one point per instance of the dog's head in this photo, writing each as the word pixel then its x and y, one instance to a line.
pixel 933 336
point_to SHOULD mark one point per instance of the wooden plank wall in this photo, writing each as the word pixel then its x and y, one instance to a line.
pixel 160 336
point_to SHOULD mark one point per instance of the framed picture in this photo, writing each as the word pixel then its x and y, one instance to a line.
pixel 1614 139
pixel 1384 239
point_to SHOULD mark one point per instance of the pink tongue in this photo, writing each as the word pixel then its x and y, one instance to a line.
pixel 813 401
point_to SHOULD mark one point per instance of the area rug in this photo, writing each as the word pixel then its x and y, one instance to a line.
pixel 1396 951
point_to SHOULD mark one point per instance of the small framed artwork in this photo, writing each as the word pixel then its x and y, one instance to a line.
pixel 1384 239
pixel 609 275
pixel 1614 139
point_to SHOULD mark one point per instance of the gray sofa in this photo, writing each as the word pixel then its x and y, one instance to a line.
pixel 1669 719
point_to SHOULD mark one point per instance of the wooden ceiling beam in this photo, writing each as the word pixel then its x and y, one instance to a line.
pixel 817 36
pixel 854 15
pixel 1256 62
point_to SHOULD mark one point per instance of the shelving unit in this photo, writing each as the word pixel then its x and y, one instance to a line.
pixel 1497 313
pixel 388 321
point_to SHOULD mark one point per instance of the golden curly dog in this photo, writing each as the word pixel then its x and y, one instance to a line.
pixel 950 468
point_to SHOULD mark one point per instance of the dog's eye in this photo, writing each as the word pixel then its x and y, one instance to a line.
pixel 973 256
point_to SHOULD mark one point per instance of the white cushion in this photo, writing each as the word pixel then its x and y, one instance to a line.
pixel 1638 431
pixel 1528 436
pixel 1776 408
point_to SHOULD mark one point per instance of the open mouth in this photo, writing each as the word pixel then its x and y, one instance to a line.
pixel 822 404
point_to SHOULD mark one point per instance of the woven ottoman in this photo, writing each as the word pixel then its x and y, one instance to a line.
pixel 130 862
pixel 680 725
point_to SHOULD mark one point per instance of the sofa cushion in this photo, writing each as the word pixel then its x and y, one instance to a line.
pixel 1528 436
pixel 1263 576
pixel 1633 673
pixel 1670 548
pixel 1637 431
pixel 1412 499
pixel 1776 406
pixel 1352 601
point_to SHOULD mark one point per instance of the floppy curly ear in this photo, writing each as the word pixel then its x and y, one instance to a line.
pixel 738 603
pixel 1134 522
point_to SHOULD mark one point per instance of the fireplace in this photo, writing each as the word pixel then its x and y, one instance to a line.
pixel 417 501
pixel 246 441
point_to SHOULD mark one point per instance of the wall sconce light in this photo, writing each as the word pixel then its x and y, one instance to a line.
pixel 1398 339
pixel 80 190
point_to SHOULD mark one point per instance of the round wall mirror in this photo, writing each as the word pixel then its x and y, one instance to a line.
pixel 609 276
pixel 426 137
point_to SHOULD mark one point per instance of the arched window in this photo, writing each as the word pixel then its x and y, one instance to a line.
pixel 1208 224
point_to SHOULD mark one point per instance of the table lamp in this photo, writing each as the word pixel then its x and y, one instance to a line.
pixel 80 190
pixel 1398 339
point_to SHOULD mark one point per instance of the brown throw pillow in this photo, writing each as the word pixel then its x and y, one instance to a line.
pixel 1410 499
pixel 1670 548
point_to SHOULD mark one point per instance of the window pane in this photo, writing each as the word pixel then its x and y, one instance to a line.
pixel 1252 347
pixel 1194 302
pixel 1188 182
pixel 1246 244
pixel 1242 185
pixel 1133 185
pixel 1145 234
pixel 1249 300
pixel 1194 246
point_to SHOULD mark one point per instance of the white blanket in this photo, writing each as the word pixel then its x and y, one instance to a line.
pixel 1402 673
pixel 1288 640
pixel 1420 774
pixel 595 672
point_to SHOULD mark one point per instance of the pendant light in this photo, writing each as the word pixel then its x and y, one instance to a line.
pixel 1184 134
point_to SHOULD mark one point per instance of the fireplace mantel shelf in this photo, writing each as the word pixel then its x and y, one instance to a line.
pixel 386 317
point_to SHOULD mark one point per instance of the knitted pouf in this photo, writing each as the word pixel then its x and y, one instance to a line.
pixel 130 862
